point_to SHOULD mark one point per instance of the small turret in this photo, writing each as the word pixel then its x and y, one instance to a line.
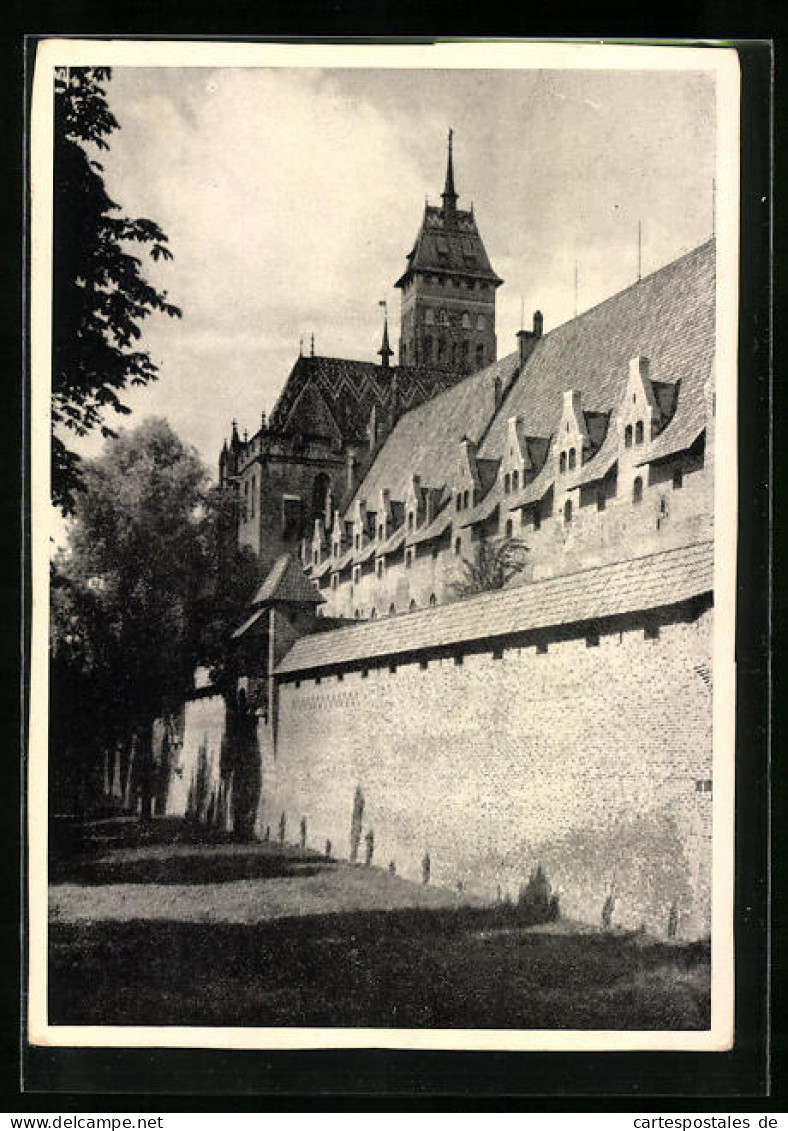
pixel 385 352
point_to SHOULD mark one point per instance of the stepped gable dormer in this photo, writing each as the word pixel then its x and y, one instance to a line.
pixel 319 546
pixel 467 483
pixel 448 289
pixel 573 440
pixel 646 406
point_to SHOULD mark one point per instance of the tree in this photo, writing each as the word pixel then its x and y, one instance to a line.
pixel 100 297
pixel 130 588
pixel 498 560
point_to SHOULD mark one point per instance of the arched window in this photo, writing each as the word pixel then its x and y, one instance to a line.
pixel 429 316
pixel 572 459
pixel 562 463
pixel 380 567
pixel 441 349
pixel 428 347
pixel 480 322
pixel 381 531
pixel 443 318
pixel 410 520
pixel 637 490
pixel 459 501
pixel 412 605
pixel 457 546
pixel 433 600
pixel 466 499
pixel 628 436
pixel 466 320
pixel 358 541
pixel 392 609
pixel 509 528
pixel 507 483
pixel 480 354
pixel 408 559
pixel 639 432
pixel 568 511
pixel 515 480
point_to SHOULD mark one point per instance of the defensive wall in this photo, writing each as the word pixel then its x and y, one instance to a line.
pixel 565 723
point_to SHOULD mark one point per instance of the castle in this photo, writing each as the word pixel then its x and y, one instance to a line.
pixel 563 718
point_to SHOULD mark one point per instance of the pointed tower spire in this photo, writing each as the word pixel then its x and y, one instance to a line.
pixel 448 194
pixel 385 352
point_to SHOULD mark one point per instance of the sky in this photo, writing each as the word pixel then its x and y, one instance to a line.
pixel 291 197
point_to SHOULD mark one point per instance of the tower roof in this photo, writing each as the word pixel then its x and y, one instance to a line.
pixel 448 241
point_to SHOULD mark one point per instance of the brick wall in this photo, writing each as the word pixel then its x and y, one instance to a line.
pixel 591 759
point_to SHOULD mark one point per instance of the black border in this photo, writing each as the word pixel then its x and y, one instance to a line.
pixel 165 1079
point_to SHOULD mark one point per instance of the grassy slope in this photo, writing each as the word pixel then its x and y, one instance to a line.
pixel 163 931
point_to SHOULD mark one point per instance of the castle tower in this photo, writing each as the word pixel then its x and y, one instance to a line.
pixel 448 290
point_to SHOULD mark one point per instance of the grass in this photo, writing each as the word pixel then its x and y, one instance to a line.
pixel 156 929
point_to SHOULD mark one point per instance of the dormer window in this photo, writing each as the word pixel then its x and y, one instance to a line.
pixel 567 512
pixel 429 316
pixel 628 436
pixel 466 320
pixel 380 567
pixel 480 322
pixel 509 528
pixel 410 520
pixel 466 499
pixel 637 490
pixel 457 546
pixel 639 432
pixel 562 463
pixel 572 459
pixel 459 502
pixel 515 481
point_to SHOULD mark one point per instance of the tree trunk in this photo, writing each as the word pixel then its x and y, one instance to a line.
pixel 145 770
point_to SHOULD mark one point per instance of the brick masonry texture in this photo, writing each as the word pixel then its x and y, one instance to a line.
pixel 598 788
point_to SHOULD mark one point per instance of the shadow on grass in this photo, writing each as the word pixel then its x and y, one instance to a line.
pixel 122 851
pixel 436 968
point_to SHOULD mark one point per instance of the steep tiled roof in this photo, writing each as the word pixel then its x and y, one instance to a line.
pixel 350 389
pixel 425 441
pixel 451 246
pixel 286 581
pixel 434 529
pixel 638 584
pixel 667 316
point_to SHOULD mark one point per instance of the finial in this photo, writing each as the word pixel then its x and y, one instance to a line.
pixel 385 350
pixel 312 347
pixel 301 346
pixel 449 195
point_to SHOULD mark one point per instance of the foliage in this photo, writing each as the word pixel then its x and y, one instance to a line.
pixel 100 296
pixel 498 561
pixel 537 897
pixel 151 586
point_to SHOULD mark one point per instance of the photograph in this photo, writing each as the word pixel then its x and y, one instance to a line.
pixel 383 487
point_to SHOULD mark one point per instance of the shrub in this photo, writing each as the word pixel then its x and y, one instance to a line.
pixel 536 898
